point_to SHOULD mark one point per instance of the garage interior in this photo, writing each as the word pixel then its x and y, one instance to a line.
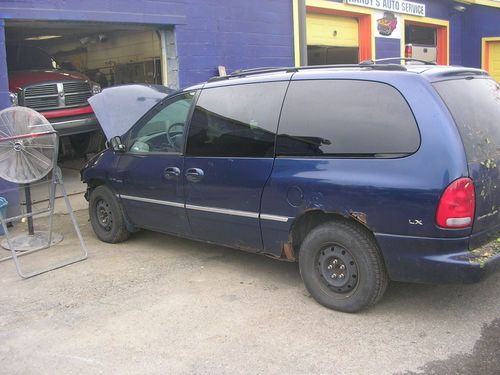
pixel 108 54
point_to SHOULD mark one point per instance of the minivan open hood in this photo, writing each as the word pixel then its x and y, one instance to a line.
pixel 119 108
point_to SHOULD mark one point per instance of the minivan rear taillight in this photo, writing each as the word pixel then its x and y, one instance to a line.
pixel 457 205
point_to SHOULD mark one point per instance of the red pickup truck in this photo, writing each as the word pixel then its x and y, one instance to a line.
pixel 61 96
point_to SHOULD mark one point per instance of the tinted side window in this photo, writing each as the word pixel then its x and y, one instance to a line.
pixel 164 132
pixel 346 117
pixel 27 58
pixel 236 121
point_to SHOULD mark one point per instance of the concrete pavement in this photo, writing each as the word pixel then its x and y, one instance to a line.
pixel 158 304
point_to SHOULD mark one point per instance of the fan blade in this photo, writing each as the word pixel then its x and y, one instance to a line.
pixel 43 161
pixel 5 155
pixel 30 169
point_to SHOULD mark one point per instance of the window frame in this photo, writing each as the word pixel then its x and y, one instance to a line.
pixel 152 113
pixel 353 155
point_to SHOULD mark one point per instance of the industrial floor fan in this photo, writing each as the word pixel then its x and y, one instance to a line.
pixel 28 155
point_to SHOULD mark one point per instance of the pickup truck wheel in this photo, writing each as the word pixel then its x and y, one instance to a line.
pixel 341 267
pixel 106 216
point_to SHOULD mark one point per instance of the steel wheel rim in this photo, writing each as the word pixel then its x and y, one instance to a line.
pixel 338 269
pixel 104 215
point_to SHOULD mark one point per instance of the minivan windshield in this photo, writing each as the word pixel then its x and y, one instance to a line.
pixel 474 104
pixel 21 57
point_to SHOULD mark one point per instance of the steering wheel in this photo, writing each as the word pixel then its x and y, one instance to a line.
pixel 173 133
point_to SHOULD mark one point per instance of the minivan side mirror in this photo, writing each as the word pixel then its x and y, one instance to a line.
pixel 116 144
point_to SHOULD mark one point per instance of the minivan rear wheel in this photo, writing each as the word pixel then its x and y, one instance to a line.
pixel 341 267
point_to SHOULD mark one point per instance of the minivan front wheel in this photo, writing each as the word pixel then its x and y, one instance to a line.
pixel 106 216
pixel 341 267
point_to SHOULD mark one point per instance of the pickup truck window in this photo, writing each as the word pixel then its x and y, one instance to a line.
pixel 20 57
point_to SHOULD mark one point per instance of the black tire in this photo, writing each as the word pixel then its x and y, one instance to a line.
pixel 106 216
pixel 87 143
pixel 341 248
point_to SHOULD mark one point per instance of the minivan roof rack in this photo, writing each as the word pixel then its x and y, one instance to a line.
pixel 365 64
pixel 410 59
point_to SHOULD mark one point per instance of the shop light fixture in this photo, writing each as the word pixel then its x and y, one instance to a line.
pixel 43 37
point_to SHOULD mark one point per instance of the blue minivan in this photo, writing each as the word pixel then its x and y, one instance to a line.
pixel 363 173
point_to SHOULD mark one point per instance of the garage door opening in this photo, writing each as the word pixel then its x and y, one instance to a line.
pixel 321 55
pixel 336 36
pixel 426 41
pixel 422 42
pixel 332 39
pixel 54 67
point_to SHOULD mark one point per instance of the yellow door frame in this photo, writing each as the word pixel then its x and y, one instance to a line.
pixel 428 21
pixel 331 6
pixel 484 50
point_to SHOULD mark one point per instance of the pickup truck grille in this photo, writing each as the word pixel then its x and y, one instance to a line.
pixel 72 87
pixel 60 95
pixel 41 90
pixel 40 103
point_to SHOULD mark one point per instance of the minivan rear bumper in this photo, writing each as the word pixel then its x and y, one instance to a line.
pixel 434 260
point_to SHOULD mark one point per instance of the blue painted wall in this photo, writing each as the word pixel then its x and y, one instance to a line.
pixel 236 34
pixel 479 22
pixel 6 187
pixel 387 47
pixel 4 79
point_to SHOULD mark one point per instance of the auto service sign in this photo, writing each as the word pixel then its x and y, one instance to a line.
pixel 396 6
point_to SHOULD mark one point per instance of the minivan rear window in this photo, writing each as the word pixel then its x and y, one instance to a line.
pixel 474 104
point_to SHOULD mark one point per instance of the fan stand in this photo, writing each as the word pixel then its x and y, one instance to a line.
pixel 33 241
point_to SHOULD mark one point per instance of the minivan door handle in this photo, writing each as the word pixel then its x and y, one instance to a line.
pixel 171 173
pixel 194 174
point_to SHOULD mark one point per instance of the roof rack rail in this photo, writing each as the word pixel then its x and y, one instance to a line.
pixel 360 65
pixel 365 64
pixel 373 62
pixel 252 70
pixel 248 72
